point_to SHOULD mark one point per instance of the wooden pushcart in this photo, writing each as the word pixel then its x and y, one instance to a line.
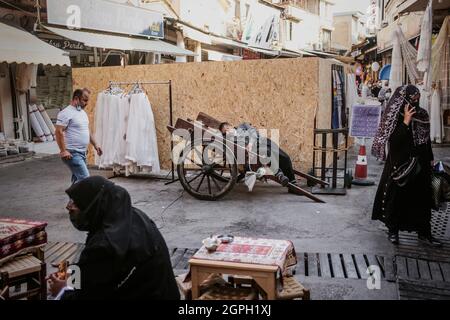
pixel 207 163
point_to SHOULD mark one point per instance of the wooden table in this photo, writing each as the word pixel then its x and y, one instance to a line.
pixel 264 275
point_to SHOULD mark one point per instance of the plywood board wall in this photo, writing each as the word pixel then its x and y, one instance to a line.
pixel 273 94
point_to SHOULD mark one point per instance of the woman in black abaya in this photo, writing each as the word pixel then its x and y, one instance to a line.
pixel 405 132
pixel 125 257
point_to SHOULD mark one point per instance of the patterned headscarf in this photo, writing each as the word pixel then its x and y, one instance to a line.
pixel 395 111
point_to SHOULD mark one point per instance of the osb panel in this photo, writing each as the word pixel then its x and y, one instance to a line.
pixel 324 109
pixel 274 94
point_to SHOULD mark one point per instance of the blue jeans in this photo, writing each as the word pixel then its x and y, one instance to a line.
pixel 77 166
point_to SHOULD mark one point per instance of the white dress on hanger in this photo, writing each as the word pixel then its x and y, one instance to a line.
pixel 142 147
pixel 124 111
pixel 99 107
pixel 109 114
pixel 436 119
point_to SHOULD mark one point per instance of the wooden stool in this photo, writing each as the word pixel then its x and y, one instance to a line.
pixel 27 270
pixel 228 293
pixel 292 289
pixel 186 287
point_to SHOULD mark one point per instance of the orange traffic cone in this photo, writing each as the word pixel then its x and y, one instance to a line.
pixel 360 178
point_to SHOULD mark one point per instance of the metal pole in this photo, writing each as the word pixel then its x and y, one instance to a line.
pixel 140 82
pixel 14 101
pixel 38 7
pixel 171 124
pixel 346 152
pixel 324 156
pixel 95 57
pixel 314 148
pixel 335 159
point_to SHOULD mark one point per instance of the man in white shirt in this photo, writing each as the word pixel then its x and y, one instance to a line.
pixel 73 135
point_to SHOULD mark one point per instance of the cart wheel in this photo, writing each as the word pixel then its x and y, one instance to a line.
pixel 349 179
pixel 207 172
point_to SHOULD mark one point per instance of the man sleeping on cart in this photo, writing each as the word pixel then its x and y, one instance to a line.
pixel 280 162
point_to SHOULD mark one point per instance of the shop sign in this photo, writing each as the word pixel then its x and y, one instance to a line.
pixel 262 28
pixel 356 53
pixel 364 121
pixel 372 15
pixel 106 16
pixel 66 44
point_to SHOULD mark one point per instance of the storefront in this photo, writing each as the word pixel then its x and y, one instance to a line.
pixel 26 64
pixel 107 49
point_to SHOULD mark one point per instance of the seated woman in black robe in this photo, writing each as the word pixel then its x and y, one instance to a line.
pixel 126 257
pixel 405 132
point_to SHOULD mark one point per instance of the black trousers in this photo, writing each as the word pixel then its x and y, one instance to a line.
pixel 280 157
pixel 286 165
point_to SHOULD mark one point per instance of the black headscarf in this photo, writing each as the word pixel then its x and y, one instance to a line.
pixel 394 113
pixel 106 207
pixel 410 92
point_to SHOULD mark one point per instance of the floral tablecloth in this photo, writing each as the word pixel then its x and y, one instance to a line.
pixel 269 252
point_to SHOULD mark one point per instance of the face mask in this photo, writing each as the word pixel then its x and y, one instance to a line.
pixel 413 103
pixel 79 218
pixel 387 95
pixel 76 219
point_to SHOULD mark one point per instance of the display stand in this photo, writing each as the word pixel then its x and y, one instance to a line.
pixel 337 173
pixel 163 83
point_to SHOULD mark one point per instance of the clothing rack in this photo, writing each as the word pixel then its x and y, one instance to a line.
pixel 167 83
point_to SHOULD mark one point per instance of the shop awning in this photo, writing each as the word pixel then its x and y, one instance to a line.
pixel 332 56
pixel 22 47
pixel 385 72
pixel 228 42
pixel 196 35
pixel 279 53
pixel 107 41
pixel 220 56
pixel 420 5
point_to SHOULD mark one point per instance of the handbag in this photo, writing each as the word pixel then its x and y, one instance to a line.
pixel 407 172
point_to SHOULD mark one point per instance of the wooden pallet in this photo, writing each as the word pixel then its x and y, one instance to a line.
pixel 343 266
pixel 410 247
pixel 55 252
pixel 419 290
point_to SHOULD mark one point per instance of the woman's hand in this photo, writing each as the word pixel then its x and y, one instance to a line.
pixel 409 114
pixel 55 284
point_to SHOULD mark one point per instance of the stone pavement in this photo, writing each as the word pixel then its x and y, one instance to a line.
pixel 339 229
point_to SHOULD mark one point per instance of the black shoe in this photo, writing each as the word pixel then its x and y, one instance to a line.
pixel 393 237
pixel 430 241
pixel 282 178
